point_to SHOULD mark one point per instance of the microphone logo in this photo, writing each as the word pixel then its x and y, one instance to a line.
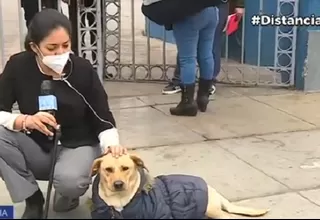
pixel 48 102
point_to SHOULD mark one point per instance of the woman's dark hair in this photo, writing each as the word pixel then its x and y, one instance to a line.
pixel 43 23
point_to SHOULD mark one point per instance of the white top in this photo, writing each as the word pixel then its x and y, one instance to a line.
pixel 109 137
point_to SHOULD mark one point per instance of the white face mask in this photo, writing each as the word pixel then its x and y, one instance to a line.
pixel 56 62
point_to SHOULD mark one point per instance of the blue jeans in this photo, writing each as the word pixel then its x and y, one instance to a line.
pixel 223 15
pixel 194 39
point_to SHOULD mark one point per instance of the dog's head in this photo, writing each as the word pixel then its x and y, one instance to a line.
pixel 117 174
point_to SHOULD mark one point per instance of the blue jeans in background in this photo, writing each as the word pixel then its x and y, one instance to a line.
pixel 194 39
pixel 223 15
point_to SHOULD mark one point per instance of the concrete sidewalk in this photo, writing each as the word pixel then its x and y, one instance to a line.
pixel 257 146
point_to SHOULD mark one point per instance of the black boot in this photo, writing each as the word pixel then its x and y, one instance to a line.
pixel 203 94
pixel 187 105
pixel 34 206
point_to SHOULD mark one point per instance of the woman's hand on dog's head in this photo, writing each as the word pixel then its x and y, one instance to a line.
pixel 116 151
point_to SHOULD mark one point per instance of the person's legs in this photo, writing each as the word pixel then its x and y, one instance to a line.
pixel 73 17
pixel 22 162
pixel 223 16
pixel 50 4
pixel 186 34
pixel 30 8
pixel 205 44
pixel 72 176
pixel 174 85
pixel 176 76
pixel 205 56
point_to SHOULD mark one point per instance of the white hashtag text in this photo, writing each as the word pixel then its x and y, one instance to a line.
pixel 273 20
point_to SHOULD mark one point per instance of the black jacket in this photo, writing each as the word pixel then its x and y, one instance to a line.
pixel 239 3
pixel 170 197
pixel 20 82
pixel 167 12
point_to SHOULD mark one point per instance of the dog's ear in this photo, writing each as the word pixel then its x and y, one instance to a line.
pixel 96 166
pixel 138 162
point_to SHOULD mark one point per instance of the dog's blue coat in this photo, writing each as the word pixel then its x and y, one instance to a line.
pixel 171 197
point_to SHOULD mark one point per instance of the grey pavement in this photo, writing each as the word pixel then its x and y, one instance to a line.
pixel 257 146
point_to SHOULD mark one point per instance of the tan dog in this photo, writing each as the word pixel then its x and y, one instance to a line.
pixel 120 180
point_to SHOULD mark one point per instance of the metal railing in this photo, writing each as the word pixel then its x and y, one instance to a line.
pixel 254 55
pixel 125 46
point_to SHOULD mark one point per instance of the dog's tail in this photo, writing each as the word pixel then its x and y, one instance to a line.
pixel 241 210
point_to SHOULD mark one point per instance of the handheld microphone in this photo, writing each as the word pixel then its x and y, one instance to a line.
pixel 48 101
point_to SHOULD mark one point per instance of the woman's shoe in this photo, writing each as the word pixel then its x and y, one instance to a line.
pixel 203 94
pixel 63 203
pixel 34 206
pixel 187 105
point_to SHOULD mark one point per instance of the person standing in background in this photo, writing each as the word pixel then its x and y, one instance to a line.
pixel 31 7
pixel 233 6
pixel 193 28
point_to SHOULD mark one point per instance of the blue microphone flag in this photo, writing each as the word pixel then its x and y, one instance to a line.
pixel 47 102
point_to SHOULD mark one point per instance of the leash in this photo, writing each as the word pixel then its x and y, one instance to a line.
pixel 53 163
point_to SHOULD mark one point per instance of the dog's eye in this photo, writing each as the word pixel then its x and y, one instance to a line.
pixel 109 169
pixel 125 168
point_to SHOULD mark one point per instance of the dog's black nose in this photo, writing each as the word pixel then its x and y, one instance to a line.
pixel 118 185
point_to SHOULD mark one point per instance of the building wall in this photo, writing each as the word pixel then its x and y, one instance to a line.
pixel 306 8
